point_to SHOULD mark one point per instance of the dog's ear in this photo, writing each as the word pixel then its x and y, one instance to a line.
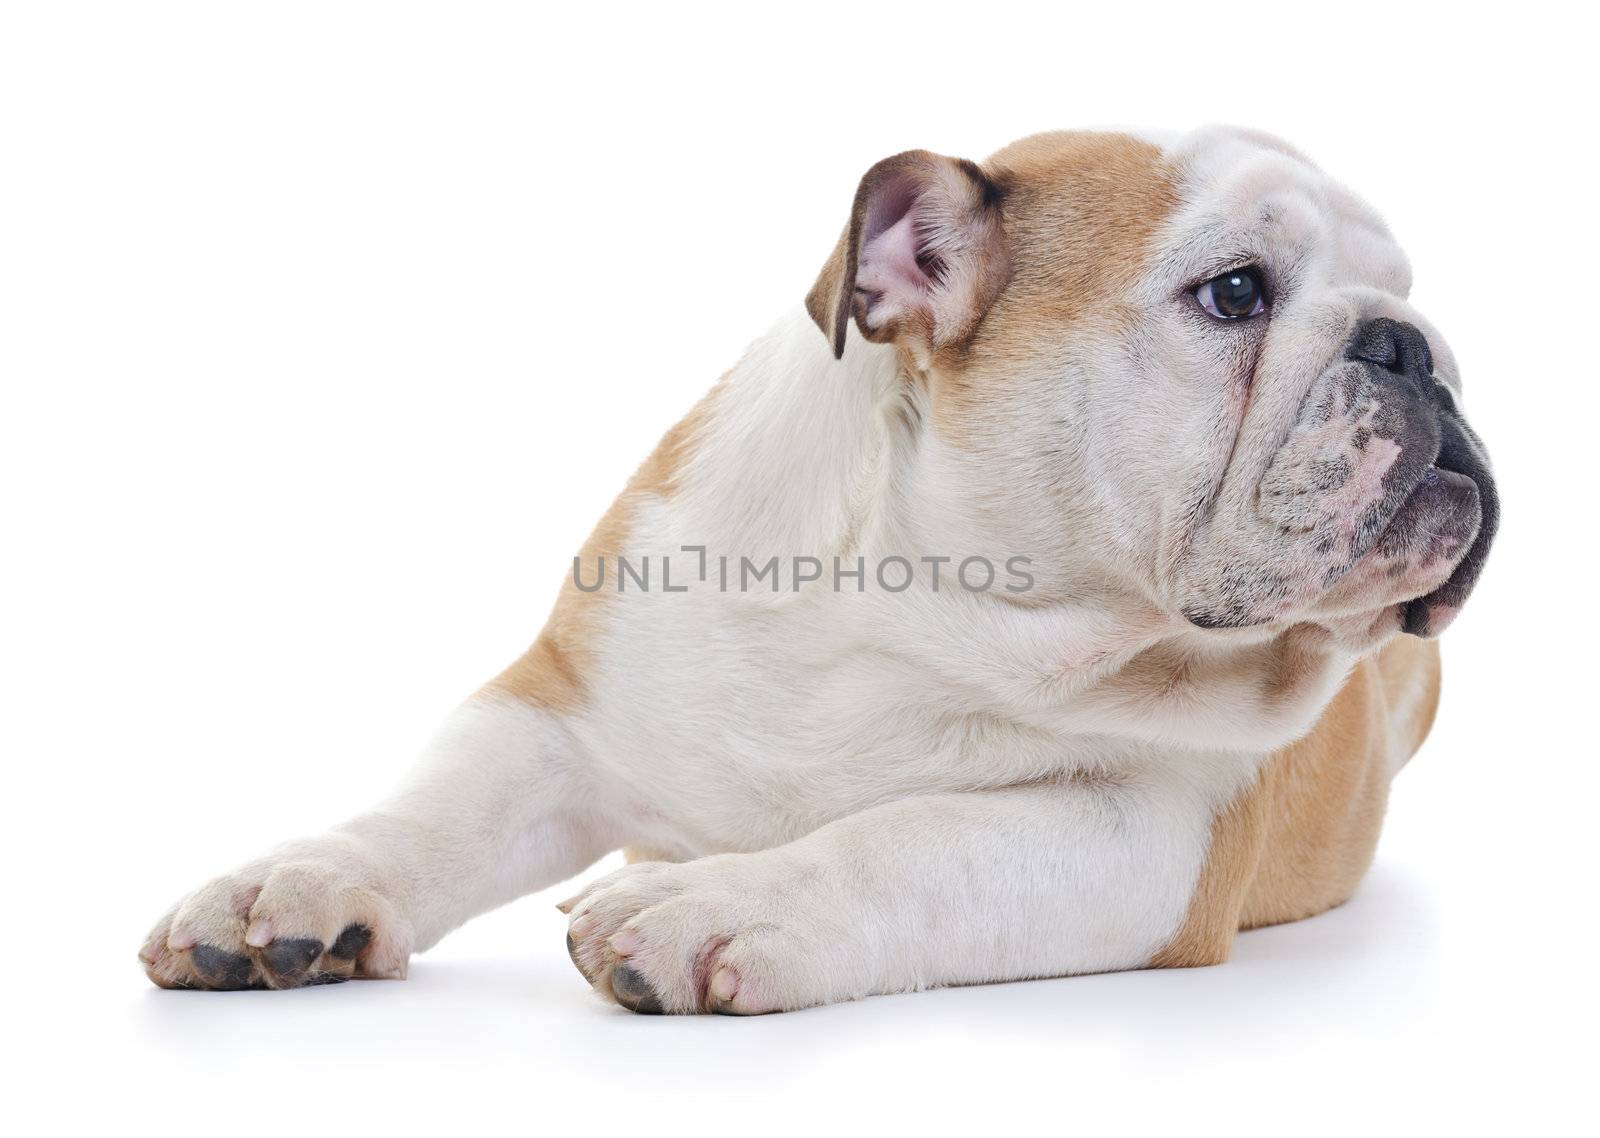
pixel 921 259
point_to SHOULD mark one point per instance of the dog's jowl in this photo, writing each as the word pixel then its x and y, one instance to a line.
pixel 1053 591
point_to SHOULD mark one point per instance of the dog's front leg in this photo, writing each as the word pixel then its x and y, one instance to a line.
pixel 499 807
pixel 1047 879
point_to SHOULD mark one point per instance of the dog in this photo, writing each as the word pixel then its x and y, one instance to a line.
pixel 1055 591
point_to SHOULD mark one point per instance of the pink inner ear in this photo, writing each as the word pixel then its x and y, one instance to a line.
pixel 889 264
pixel 890 270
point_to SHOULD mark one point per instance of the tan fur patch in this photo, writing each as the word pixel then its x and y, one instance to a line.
pixel 1298 841
pixel 1080 212
pixel 1208 929
pixel 551 672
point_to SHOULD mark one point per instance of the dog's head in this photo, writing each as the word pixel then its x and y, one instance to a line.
pixel 1186 371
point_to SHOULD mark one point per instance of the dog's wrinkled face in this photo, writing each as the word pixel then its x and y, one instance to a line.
pixel 1186 370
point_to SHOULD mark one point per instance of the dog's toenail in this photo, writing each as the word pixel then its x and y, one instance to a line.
pixel 289 958
pixel 228 971
pixel 581 927
pixel 351 942
pixel 626 943
pixel 633 991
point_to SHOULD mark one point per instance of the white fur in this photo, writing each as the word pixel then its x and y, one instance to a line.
pixel 919 788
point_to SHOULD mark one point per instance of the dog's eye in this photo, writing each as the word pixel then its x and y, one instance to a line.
pixel 1233 296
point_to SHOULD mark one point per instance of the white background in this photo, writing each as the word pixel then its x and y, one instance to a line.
pixel 326 331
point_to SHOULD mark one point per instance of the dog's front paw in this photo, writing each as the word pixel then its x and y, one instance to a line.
pixel 315 912
pixel 738 934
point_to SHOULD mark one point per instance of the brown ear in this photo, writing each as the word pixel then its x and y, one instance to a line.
pixel 921 259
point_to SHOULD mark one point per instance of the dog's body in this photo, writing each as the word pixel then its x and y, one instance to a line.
pixel 1167 708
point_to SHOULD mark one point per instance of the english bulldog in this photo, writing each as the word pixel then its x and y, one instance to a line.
pixel 1053 592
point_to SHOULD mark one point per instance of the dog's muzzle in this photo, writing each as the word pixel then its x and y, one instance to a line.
pixel 1380 498
pixel 1447 467
pixel 1399 356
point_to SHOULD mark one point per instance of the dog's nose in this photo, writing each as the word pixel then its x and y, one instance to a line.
pixel 1395 345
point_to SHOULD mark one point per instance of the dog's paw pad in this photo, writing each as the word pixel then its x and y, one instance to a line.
pixel 633 991
pixel 222 970
pixel 351 943
pixel 289 960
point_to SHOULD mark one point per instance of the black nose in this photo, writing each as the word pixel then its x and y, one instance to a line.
pixel 1395 345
